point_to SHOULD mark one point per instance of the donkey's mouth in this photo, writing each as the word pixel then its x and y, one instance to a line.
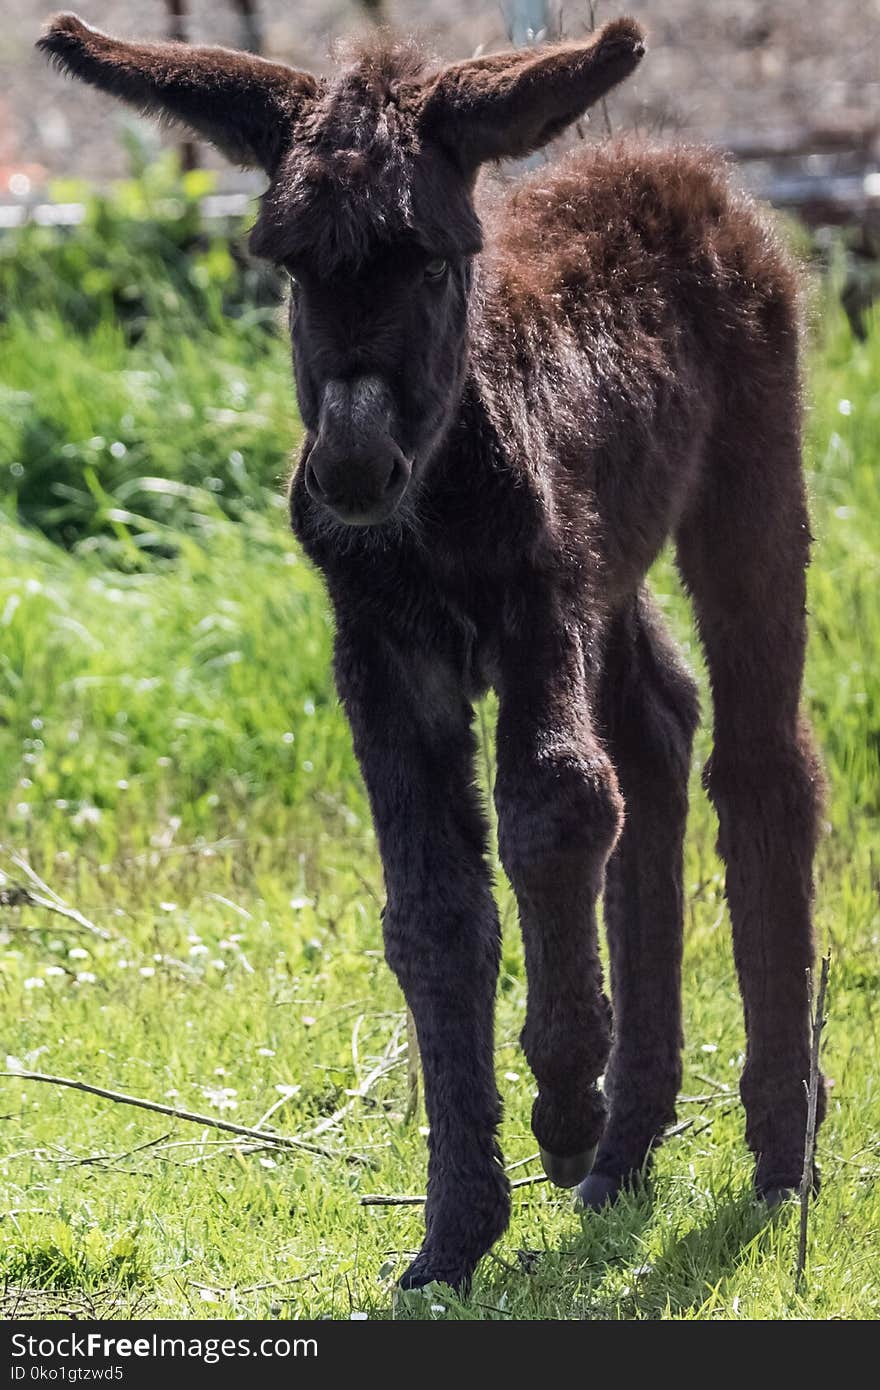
pixel 372 516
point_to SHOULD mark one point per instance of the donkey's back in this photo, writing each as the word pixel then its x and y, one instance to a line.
pixel 651 311
pixel 637 235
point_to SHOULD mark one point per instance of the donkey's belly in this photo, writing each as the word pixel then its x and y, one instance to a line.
pixel 640 495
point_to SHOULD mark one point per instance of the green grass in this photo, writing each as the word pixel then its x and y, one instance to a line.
pixel 173 762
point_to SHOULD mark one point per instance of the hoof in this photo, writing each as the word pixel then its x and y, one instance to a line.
pixel 598 1191
pixel 567 1170
pixel 776 1197
pixel 424 1270
pixel 779 1190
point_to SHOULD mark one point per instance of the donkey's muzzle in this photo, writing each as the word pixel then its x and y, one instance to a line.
pixel 355 467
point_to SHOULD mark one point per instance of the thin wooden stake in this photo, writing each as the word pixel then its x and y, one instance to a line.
pixel 818 1023
pixel 251 28
pixel 177 17
pixel 608 127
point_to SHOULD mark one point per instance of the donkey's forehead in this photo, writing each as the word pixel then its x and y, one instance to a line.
pixel 358 178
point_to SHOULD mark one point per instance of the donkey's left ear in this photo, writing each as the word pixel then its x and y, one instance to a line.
pixel 244 105
pixel 509 104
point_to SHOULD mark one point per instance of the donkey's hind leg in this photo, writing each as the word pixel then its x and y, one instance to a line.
pixel 743 552
pixel 649 712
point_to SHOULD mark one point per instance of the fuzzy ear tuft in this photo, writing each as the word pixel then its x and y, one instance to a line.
pixel 509 104
pixel 244 105
pixel 60 29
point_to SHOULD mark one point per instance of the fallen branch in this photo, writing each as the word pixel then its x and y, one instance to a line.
pixel 389 1060
pixel 253 1288
pixel 521 1162
pixel 225 1149
pixel 283 1141
pixel 393 1199
pixel 710 1081
pixel 807 1180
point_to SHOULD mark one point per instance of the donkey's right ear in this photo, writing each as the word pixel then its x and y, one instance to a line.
pixel 244 105
pixel 507 105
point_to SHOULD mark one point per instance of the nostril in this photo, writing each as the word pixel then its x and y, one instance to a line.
pixel 393 479
pixel 313 483
pixel 357 487
pixel 397 477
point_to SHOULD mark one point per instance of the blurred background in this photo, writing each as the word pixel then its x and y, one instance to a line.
pixel 761 77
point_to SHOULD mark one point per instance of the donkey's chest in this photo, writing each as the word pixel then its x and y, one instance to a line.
pixel 463 621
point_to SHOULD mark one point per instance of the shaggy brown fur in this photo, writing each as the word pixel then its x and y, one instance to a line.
pixel 498 445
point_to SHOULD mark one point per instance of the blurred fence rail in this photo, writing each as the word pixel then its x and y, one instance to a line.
pixel 836 187
pixel 216 206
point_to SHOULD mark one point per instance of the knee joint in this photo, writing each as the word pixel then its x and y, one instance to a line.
pixel 442 943
pixel 558 807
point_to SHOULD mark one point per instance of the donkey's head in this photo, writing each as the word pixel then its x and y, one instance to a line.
pixel 369 208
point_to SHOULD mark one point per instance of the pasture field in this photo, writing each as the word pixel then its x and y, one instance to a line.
pixel 175 766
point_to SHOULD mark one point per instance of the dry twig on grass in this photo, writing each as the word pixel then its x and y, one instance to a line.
pixel 378 1199
pixel 390 1059
pixel 283 1141
pixel 19 1302
pixel 817 1010
pixel 225 1289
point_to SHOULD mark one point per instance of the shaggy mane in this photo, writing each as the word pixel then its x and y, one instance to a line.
pixel 358 178
pixel 384 59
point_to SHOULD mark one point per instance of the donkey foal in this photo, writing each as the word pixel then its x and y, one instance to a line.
pixel 498 444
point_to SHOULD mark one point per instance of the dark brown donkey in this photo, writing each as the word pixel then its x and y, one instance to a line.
pixel 498 443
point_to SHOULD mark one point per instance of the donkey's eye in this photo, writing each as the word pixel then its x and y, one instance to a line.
pixel 436 269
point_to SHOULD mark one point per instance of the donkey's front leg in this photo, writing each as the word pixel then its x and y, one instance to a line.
pixel 412 732
pixel 559 814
